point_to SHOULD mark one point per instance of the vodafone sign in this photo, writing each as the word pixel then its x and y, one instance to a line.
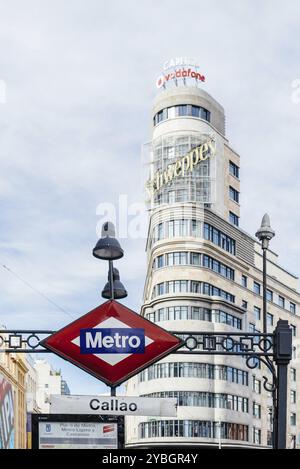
pixel 179 68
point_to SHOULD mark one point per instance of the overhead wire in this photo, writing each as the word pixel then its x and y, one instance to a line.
pixel 61 308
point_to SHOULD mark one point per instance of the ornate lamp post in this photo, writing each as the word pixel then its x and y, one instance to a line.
pixel 265 234
pixel 108 248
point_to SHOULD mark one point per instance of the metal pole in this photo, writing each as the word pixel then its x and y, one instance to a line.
pixel 264 290
pixel 113 391
pixel 281 407
pixel 111 279
pixel 283 354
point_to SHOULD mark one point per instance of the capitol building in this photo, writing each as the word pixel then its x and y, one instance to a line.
pixel 205 274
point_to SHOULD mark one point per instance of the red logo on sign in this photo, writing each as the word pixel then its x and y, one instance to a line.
pixel 108 428
pixel 112 343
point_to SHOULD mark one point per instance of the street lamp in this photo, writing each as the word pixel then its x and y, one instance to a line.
pixel 265 233
pixel 108 248
pixel 117 288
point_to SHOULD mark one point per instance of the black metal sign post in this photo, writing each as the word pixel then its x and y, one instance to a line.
pixel 273 350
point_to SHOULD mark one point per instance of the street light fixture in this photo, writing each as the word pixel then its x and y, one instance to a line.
pixel 265 233
pixel 108 248
pixel 118 287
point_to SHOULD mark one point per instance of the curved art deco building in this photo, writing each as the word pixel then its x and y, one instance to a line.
pixel 204 274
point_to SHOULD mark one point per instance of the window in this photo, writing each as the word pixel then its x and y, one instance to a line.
pixel 196 229
pixel 233 218
pixel 184 286
pixel 256 436
pixel 244 304
pixel 196 313
pixel 270 319
pixel 196 111
pixel 181 110
pixel 293 374
pixel 269 295
pixel 177 286
pixel 256 408
pixel 256 385
pixel 234 170
pixel 211 290
pixel 194 370
pixel 205 399
pixel 244 281
pixel 193 429
pixel 257 313
pixel 281 301
pixel 177 258
pixel 294 330
pixel 293 418
pixel 195 258
pixel 160 261
pixel 234 194
pixel 218 267
pixel 159 232
pixel 195 287
pixel 177 228
pixel 292 308
pixel 293 397
pixel 219 238
pixel 256 288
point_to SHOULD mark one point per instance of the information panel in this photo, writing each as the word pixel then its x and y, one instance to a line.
pixel 76 432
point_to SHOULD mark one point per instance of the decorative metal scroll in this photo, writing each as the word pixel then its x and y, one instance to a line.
pixel 251 345
pixel 23 341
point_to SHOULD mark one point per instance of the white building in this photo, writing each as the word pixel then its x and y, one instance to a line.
pixel 48 381
pixel 205 274
pixel 31 386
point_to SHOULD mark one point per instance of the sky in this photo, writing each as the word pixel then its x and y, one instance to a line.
pixel 77 82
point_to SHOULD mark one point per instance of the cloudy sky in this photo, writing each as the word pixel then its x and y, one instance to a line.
pixel 79 80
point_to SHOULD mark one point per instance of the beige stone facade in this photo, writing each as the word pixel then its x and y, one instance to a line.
pixel 205 274
pixel 13 370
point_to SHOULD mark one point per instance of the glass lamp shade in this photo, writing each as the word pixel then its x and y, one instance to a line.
pixel 119 290
pixel 108 249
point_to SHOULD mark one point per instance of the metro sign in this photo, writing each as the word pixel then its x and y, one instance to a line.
pixel 112 343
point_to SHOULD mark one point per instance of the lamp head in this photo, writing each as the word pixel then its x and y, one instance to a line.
pixel 265 233
pixel 118 287
pixel 108 247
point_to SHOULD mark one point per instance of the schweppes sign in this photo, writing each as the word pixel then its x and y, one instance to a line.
pixel 182 166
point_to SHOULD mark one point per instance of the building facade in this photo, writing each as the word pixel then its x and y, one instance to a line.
pixel 205 274
pixel 13 371
pixel 48 381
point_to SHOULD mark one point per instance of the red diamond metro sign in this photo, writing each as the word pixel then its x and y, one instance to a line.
pixel 112 343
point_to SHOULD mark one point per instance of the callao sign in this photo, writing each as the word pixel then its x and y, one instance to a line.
pixel 112 343
pixel 98 405
pixel 179 68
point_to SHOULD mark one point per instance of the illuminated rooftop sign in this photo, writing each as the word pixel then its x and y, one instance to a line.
pixel 179 68
pixel 182 166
